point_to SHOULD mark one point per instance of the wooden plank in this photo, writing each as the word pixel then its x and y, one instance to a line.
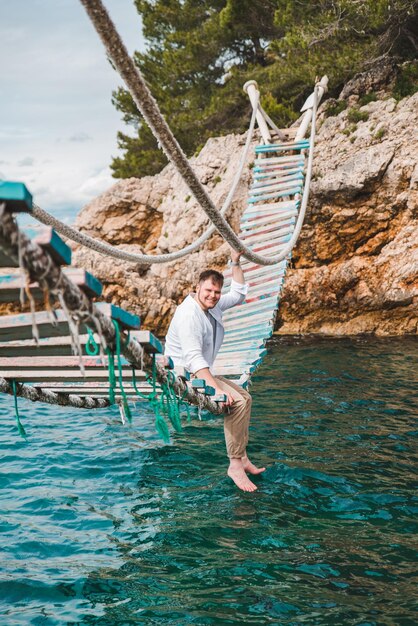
pixel 244 358
pixel 148 341
pixel 284 171
pixel 18 327
pixel 124 318
pixel 250 331
pixel 165 361
pixel 257 191
pixel 279 194
pixel 279 160
pixel 278 147
pixel 52 244
pixel 266 185
pixel 250 309
pixel 263 317
pixel 257 281
pixel 274 207
pixel 61 346
pixel 257 224
pixel 252 269
pixel 282 229
pixel 277 242
pixel 182 372
pixel 16 197
pixel 65 375
pixel 58 362
pixel 11 284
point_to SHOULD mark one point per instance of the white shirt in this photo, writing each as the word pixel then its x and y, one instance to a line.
pixel 191 341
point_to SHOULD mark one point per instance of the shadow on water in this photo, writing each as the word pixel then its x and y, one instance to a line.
pixel 105 525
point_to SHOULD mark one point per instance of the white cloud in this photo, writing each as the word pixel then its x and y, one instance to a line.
pixel 57 82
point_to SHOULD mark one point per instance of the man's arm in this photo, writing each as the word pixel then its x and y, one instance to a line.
pixel 237 273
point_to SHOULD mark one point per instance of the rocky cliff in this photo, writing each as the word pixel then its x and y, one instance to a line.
pixel 355 267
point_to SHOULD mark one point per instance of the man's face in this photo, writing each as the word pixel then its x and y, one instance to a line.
pixel 208 294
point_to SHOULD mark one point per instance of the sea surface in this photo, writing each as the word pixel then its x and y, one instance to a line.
pixel 103 524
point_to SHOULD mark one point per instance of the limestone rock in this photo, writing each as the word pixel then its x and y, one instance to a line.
pixel 355 267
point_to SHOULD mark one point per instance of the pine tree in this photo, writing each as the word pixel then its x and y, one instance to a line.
pixel 200 52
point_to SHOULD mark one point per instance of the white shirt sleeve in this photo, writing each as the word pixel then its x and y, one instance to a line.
pixel 235 296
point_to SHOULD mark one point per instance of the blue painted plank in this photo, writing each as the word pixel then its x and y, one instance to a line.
pixel 280 194
pixel 198 383
pixel 16 196
pixel 297 145
pixel 148 341
pixel 52 243
pixel 126 319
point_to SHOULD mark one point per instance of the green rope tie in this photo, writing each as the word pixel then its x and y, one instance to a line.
pixel 111 375
pixel 125 405
pixel 20 428
pixel 92 347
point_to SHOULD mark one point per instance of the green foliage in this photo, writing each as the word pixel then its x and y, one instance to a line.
pixel 335 107
pixel 379 133
pixel 200 53
pixel 407 81
pixel 354 116
pixel 366 98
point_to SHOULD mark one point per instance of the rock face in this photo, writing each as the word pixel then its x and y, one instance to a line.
pixel 355 267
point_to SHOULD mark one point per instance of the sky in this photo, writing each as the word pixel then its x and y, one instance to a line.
pixel 58 126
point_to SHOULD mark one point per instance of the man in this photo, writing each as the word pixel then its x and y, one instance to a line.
pixel 193 340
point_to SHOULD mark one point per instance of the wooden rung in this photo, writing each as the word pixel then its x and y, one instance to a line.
pixel 11 284
pixel 58 362
pixel 62 346
pixel 280 147
pixel 65 375
pixel 7 261
pixel 182 372
pixel 16 197
pixel 291 191
pixel 51 242
pixel 124 318
pixel 19 327
pixel 148 341
pixel 198 383
pixel 165 361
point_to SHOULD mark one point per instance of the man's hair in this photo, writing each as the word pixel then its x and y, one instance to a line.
pixel 215 276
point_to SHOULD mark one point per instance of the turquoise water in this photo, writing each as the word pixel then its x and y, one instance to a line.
pixel 103 524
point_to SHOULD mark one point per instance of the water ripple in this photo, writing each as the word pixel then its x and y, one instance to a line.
pixel 104 525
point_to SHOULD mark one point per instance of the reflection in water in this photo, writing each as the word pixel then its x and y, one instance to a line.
pixel 105 525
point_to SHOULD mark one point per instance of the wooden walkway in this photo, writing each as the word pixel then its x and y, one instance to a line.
pixel 266 226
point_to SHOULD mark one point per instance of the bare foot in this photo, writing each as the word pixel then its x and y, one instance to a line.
pixel 237 473
pixel 250 467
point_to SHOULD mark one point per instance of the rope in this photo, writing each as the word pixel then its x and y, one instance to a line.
pixel 109 250
pixel 147 105
pixel 20 427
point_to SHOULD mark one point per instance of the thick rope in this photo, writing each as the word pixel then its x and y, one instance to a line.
pixel 36 394
pixel 144 100
pixel 35 261
pixel 146 259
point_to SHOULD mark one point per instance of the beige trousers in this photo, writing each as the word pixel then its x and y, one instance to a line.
pixel 237 420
